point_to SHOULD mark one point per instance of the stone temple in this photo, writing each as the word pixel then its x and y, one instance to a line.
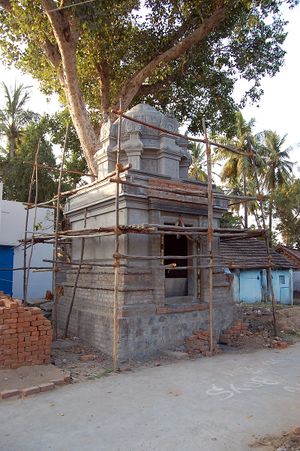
pixel 157 307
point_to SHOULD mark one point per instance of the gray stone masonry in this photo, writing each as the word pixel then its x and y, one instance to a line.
pixel 156 310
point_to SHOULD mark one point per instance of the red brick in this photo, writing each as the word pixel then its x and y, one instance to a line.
pixel 9 393
pixel 47 386
pixel 30 391
pixel 58 381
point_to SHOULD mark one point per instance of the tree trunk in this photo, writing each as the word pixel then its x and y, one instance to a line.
pixel 245 204
pixel 12 147
pixel 66 38
pixel 270 220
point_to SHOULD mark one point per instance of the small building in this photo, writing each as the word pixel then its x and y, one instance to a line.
pixel 157 307
pixel 293 255
pixel 248 261
pixel 12 228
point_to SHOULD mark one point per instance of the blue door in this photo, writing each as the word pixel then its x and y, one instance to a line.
pixel 250 286
pixel 7 262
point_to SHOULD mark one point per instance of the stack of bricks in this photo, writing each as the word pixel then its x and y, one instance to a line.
pixel 198 343
pixel 230 336
pixel 25 335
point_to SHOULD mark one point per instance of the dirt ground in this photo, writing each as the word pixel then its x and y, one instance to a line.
pixel 87 363
pixel 288 441
pixel 28 376
pixel 259 317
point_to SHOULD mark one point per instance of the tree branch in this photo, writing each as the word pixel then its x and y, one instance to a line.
pixel 66 38
pixel 132 87
pixel 103 73
pixel 6 4
pixel 52 53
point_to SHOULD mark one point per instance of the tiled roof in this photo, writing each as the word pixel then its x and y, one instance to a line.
pixel 250 253
pixel 293 255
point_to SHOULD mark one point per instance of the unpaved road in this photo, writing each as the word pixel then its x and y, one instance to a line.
pixel 213 404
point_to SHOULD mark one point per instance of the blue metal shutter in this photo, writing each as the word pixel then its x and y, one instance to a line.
pixel 7 262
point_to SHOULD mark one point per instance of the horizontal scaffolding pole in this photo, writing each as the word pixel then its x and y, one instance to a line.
pixel 41 205
pixel 162 257
pixel 154 232
pixel 31 268
pixel 179 135
pixel 90 265
pixel 160 188
pixel 138 228
pixel 54 169
pixel 183 192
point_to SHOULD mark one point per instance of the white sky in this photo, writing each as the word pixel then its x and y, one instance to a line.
pixel 277 109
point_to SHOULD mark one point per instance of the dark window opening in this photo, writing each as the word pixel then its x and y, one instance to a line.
pixel 282 280
pixel 176 245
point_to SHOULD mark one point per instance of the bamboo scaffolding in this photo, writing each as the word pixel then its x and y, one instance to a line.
pixel 228 236
pixel 182 192
pixel 27 273
pixel 76 280
pixel 29 205
pixel 179 135
pixel 55 294
pixel 117 246
pixel 87 187
pixel 165 257
pixel 139 228
pixel 208 195
pixel 51 168
pixel 210 235
pixel 267 241
pixel 90 264
pixel 21 268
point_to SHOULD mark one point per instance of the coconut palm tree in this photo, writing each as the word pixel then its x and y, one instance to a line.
pixel 237 171
pixel 14 116
pixel 198 162
pixel 277 168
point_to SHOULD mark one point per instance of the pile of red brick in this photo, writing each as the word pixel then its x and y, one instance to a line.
pixel 230 336
pixel 198 343
pixel 25 335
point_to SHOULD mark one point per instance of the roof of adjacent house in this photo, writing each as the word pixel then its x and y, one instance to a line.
pixel 250 253
pixel 293 255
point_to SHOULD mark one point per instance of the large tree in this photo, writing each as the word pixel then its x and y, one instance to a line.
pixel 181 55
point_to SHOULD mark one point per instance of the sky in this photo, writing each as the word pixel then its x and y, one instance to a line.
pixel 277 110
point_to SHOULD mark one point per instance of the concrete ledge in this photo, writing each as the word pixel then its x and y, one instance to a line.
pixel 27 381
pixel 181 308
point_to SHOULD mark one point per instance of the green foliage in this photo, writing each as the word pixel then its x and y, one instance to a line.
pixel 286 201
pixel 277 170
pixel 14 116
pixel 16 175
pixel 123 36
pixel 229 220
pixel 74 159
pixel 197 170
pixel 238 173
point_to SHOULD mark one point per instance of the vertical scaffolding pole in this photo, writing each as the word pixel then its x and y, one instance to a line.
pixel 76 279
pixel 209 235
pixel 267 240
pixel 117 248
pixel 55 267
pixel 34 173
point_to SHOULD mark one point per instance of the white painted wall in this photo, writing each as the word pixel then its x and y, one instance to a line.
pixel 12 226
